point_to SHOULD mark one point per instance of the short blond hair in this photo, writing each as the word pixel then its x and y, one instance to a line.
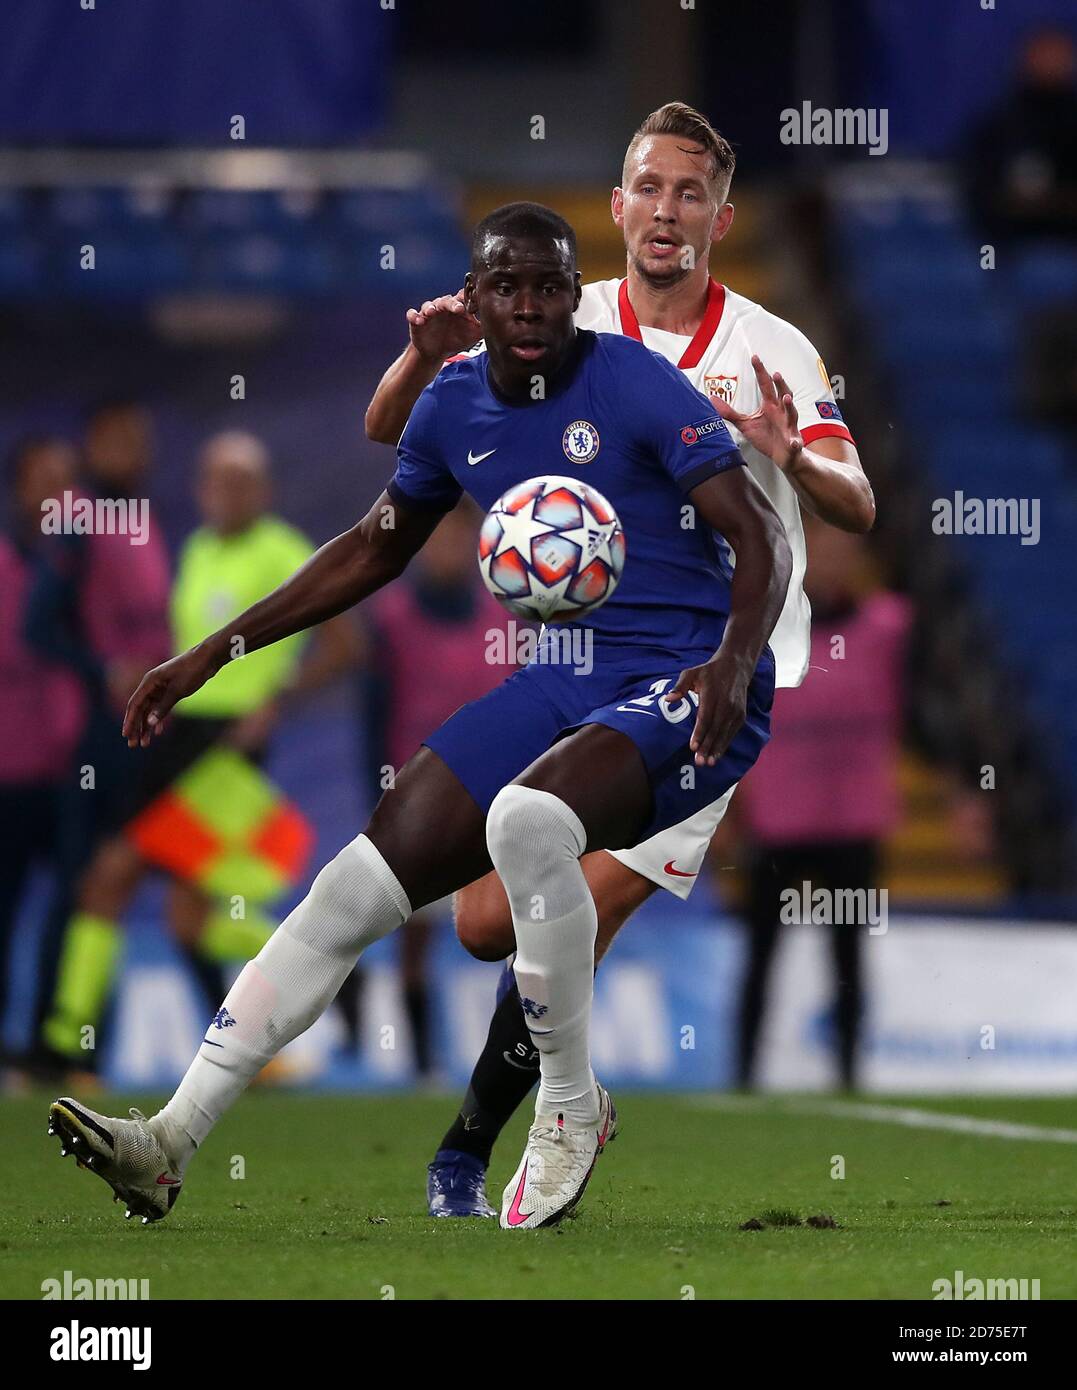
pixel 678 118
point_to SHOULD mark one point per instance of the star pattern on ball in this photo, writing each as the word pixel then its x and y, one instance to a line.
pixel 593 538
pixel 519 529
pixel 551 549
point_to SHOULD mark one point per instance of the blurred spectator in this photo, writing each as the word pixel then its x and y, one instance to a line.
pixel 1022 179
pixel 429 651
pixel 41 705
pixel 237 556
pixel 100 603
pixel 1050 363
pixel 124 605
pixel 1022 183
pixel 824 793
pixel 1022 159
pixel 98 606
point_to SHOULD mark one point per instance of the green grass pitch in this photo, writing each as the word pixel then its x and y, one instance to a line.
pixel 331 1206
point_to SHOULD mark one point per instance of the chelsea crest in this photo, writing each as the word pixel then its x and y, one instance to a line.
pixel 580 442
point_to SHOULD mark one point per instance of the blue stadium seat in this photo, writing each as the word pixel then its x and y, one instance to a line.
pixel 128 263
pixel 385 213
pixel 149 240
pixel 90 208
pixel 1046 274
pixel 260 261
pixel 22 267
pixel 240 210
pixel 15 210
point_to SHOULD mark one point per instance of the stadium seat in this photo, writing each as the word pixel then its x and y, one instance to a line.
pixel 149 240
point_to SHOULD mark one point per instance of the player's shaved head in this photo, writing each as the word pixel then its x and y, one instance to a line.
pixel 520 222
pixel 523 287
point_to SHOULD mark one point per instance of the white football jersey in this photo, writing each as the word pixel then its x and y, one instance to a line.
pixel 717 361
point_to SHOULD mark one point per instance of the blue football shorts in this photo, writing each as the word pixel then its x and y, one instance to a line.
pixel 490 741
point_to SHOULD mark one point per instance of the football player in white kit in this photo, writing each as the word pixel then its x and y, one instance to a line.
pixel 672 206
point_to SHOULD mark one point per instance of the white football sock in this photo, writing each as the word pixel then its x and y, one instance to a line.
pixel 535 841
pixel 354 901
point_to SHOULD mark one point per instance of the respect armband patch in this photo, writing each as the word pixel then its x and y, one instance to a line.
pixel 692 434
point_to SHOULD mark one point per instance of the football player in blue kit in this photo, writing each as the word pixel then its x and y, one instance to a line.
pixel 674 708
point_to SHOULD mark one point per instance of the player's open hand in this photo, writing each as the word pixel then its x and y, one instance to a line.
pixel 159 690
pixel 442 327
pixel 719 688
pixel 773 429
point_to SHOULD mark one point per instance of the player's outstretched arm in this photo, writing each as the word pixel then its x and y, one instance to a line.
pixel 345 570
pixel 438 329
pixel 828 478
pixel 733 505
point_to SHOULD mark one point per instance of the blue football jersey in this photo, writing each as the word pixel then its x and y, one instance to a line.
pixel 626 421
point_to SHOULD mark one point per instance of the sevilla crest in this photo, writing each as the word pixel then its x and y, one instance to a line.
pixel 721 388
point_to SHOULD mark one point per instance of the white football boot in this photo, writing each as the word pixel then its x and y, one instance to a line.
pixel 122 1152
pixel 556 1167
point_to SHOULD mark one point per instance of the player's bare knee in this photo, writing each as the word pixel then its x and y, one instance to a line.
pixel 429 831
pixel 481 937
pixel 483 919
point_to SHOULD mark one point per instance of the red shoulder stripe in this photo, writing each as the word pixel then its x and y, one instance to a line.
pixel 836 431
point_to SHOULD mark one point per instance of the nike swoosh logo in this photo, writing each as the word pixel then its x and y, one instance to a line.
pixel 165 1181
pixel 516 1217
pixel 627 709
pixel 681 873
pixel 473 459
pixel 212 1043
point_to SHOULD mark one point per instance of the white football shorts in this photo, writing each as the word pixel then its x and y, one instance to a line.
pixel 674 857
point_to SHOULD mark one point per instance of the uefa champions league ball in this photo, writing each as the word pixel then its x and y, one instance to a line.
pixel 551 549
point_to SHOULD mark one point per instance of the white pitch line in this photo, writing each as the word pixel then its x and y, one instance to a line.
pixel 897 1115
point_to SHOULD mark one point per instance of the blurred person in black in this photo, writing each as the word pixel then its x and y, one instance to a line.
pixel 1021 175
pixel 825 794
pixel 1021 162
pixel 97 606
pixel 41 705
